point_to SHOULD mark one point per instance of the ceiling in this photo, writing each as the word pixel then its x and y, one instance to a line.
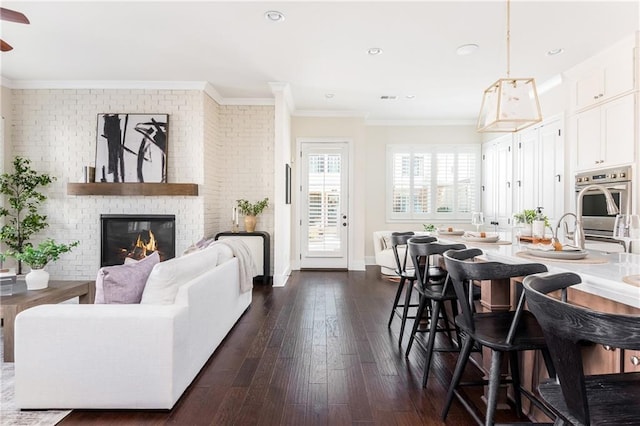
pixel 320 48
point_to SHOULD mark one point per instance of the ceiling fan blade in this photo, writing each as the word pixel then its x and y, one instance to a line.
pixel 4 46
pixel 13 16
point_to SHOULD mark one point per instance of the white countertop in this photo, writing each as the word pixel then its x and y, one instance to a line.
pixel 604 280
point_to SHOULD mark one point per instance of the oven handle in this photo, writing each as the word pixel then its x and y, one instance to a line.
pixel 621 187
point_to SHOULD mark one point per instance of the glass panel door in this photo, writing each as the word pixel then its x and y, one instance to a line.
pixel 324 215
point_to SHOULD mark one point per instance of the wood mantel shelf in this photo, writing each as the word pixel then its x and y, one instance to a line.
pixel 124 189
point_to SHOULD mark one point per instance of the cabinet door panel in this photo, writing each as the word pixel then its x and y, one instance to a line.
pixel 587 133
pixel 630 361
pixel 503 183
pixel 618 121
pixel 551 171
pixel 528 170
pixel 619 72
pixel 488 180
pixel 590 88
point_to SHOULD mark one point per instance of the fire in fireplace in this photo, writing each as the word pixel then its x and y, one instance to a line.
pixel 135 237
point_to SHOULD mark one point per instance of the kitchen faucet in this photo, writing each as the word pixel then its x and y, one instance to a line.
pixel 578 236
pixel 567 234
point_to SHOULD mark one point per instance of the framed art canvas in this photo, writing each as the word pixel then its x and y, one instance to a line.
pixel 132 148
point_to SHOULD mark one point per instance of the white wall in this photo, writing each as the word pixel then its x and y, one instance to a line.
pixel 227 150
pixel 283 155
pixel 56 130
pixel 351 129
pixel 377 139
pixel 246 162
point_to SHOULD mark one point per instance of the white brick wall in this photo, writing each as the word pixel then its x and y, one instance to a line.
pixel 227 150
pixel 56 129
pixel 213 162
pixel 248 143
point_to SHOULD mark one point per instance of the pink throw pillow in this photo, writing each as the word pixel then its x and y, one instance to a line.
pixel 124 284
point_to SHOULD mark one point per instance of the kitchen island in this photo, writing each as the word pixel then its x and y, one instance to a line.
pixel 603 288
pixel 604 278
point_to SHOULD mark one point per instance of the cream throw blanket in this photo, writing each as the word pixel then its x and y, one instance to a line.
pixel 247 266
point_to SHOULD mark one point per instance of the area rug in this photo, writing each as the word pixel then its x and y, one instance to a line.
pixel 9 415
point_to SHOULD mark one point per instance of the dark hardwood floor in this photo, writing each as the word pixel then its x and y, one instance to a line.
pixel 316 352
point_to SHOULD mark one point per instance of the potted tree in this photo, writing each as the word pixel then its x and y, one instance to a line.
pixel 38 257
pixel 250 211
pixel 23 220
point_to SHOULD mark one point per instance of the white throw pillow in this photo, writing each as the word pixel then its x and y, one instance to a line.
pixel 167 277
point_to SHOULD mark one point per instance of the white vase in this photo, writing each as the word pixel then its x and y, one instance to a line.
pixel 526 230
pixel 37 279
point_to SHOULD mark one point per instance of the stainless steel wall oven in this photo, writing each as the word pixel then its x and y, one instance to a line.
pixel 596 222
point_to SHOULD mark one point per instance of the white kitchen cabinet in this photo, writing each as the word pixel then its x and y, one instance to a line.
pixel 539 169
pixel 604 135
pixel 497 182
pixel 604 76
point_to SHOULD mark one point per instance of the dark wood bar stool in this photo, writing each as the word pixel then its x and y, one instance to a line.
pixel 433 291
pixel 610 399
pixel 503 332
pixel 404 269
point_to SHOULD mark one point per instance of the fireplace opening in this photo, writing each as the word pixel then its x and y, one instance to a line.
pixel 125 237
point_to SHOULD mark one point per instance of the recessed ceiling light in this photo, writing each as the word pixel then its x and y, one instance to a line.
pixel 274 16
pixel 373 51
pixel 410 96
pixel 466 49
pixel 329 95
pixel 554 52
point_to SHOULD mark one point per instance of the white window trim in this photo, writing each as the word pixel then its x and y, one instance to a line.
pixel 412 149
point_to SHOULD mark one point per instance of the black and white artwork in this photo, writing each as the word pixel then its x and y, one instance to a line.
pixel 132 148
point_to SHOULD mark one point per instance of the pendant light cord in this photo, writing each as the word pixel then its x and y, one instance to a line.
pixel 508 39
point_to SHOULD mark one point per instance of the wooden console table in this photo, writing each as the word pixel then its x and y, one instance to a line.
pixel 56 292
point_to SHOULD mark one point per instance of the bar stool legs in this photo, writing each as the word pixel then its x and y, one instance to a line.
pixel 397 299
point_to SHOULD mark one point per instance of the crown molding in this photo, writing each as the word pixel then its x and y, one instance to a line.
pixel 329 113
pixel 248 101
pixel 432 123
pixel 285 89
pixel 203 86
pixel 103 84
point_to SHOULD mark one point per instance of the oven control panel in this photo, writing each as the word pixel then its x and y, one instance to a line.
pixel 619 174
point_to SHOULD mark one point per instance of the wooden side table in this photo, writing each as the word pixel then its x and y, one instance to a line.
pixel 261 251
pixel 56 292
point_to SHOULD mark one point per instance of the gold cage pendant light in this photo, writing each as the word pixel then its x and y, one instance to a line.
pixel 509 104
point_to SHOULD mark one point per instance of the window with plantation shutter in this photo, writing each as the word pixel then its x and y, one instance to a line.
pixel 432 181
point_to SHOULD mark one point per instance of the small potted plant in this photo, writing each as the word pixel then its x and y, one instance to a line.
pixel 38 257
pixel 524 220
pixel 250 211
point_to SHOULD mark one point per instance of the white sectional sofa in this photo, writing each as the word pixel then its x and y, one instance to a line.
pixel 135 356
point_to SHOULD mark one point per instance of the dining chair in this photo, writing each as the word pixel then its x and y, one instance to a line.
pixel 505 332
pixel 433 292
pixel 577 399
pixel 404 269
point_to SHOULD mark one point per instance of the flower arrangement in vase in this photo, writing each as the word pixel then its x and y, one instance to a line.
pixel 250 211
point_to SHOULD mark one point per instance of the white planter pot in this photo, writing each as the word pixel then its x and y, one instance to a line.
pixel 37 279
pixel 522 229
